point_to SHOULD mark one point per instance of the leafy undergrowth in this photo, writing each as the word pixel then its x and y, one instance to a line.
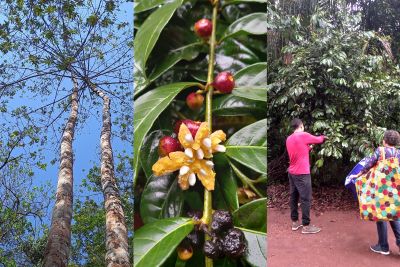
pixel 324 198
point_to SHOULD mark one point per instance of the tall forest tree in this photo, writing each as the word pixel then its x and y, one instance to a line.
pixel 84 42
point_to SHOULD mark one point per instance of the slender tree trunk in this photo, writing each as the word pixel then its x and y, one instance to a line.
pixel 116 232
pixel 59 240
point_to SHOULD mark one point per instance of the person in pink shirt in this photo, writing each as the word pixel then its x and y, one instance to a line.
pixel 298 146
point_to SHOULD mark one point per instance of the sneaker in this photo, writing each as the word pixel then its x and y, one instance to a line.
pixel 310 229
pixel 377 249
pixel 296 225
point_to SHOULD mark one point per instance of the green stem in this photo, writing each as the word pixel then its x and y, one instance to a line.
pixel 208 117
pixel 245 180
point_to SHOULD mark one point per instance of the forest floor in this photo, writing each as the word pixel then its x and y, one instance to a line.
pixel 343 241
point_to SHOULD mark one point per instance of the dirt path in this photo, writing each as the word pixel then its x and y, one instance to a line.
pixel 344 241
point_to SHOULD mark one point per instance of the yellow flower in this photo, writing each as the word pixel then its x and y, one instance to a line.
pixel 194 161
pixel 204 144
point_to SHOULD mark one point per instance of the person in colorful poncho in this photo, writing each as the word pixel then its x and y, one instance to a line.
pixel 391 139
pixel 298 146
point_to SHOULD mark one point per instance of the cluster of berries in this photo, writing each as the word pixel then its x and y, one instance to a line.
pixel 226 240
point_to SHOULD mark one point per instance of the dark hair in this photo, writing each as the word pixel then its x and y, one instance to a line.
pixel 391 137
pixel 295 123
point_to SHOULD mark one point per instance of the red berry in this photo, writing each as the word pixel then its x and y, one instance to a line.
pixel 192 125
pixel 224 82
pixel 194 101
pixel 167 145
pixel 203 28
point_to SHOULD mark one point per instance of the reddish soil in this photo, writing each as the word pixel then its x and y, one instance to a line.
pixel 344 241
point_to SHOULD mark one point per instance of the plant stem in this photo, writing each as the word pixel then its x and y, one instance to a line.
pixel 208 117
pixel 245 180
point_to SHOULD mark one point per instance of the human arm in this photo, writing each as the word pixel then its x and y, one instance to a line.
pixel 312 139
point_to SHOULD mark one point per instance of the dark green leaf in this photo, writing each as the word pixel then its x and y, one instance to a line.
pixel 161 198
pixel 231 105
pixel 254 134
pixel 256 248
pixel 148 34
pixel 226 185
pixel 251 82
pixel 232 2
pixel 154 242
pixel 225 262
pixel 248 146
pixel 144 5
pixel 188 52
pixel 252 215
pixel 147 108
pixel 255 23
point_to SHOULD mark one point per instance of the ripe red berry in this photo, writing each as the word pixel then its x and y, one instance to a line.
pixel 203 28
pixel 167 145
pixel 192 125
pixel 194 101
pixel 224 82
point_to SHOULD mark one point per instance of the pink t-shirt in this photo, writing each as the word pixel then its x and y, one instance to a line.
pixel 297 145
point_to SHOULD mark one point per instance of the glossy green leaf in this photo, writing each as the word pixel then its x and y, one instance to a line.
pixel 256 247
pixel 148 34
pixel 255 23
pixel 253 157
pixel 149 151
pixel 254 134
pixel 188 52
pixel 226 185
pixel 252 215
pixel 144 5
pixel 248 146
pixel 231 105
pixel 147 109
pixel 251 82
pixel 161 198
pixel 154 242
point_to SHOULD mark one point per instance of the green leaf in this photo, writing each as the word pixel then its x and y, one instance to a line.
pixel 226 185
pixel 144 5
pixel 147 109
pixel 256 247
pixel 148 34
pixel 149 151
pixel 231 105
pixel 252 215
pixel 161 198
pixel 188 52
pixel 248 146
pixel 254 134
pixel 154 242
pixel 251 82
pixel 253 157
pixel 255 23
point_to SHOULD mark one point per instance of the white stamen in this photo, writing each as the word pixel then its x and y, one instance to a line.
pixel 183 170
pixel 202 171
pixel 192 179
pixel 220 148
pixel 189 138
pixel 210 163
pixel 189 152
pixel 207 142
pixel 200 153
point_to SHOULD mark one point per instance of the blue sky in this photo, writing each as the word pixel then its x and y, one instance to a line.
pixel 87 138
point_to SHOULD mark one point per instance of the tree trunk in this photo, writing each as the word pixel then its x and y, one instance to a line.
pixel 116 232
pixel 59 240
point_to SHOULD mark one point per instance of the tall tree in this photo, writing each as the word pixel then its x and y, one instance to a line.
pixel 50 43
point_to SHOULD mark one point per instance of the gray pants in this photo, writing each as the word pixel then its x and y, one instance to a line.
pixel 300 188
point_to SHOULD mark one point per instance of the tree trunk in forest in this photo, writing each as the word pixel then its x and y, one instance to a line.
pixel 59 239
pixel 116 232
